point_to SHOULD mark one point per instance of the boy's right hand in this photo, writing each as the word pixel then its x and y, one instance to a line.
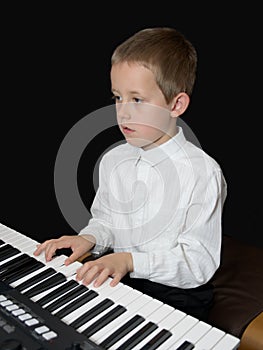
pixel 78 244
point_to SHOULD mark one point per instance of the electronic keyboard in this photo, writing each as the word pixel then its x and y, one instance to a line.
pixel 43 307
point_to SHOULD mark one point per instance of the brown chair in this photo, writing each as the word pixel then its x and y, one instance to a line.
pixel 238 283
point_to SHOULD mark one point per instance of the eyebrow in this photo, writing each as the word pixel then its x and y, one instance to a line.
pixel 130 92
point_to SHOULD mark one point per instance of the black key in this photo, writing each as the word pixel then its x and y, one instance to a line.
pixel 5 248
pixel 22 273
pixel 122 331
pixel 104 320
pixel 186 346
pixel 75 304
pixel 96 310
pixel 138 336
pixel 66 298
pixel 37 278
pixel 15 260
pixel 47 284
pixel 15 263
pixel 8 252
pixel 1 242
pixel 157 340
pixel 57 292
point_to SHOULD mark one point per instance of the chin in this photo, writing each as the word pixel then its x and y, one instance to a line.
pixel 139 143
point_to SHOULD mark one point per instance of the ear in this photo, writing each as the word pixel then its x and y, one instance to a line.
pixel 179 104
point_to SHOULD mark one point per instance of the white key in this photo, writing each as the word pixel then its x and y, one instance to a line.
pixel 10 258
pixel 167 323
pixel 228 342
pixel 104 292
pixel 42 294
pixel 178 331
pixel 69 270
pixel 25 278
pixel 155 315
pixel 195 334
pixel 132 308
pixel 123 296
pixel 164 312
pixel 210 339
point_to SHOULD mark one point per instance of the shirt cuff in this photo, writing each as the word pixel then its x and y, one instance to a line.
pixel 140 266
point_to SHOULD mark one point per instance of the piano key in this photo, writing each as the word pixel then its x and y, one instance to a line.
pixel 186 345
pixel 103 291
pixel 167 323
pixel 55 304
pixel 28 277
pixel 3 262
pixel 227 342
pixel 7 252
pixel 122 296
pixel 118 334
pixel 12 277
pixel 153 312
pixel 40 276
pixel 137 337
pixel 157 340
pixel 1 242
pixel 57 292
pixel 96 310
pixel 46 284
pixel 5 248
pixel 178 331
pixel 104 320
pixel 136 301
pixel 14 263
pixel 46 292
pixel 210 339
pixel 194 334
pixel 54 264
pixel 75 304
pixel 26 261
pixel 69 270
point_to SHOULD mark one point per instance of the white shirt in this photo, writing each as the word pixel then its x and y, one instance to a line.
pixel 163 205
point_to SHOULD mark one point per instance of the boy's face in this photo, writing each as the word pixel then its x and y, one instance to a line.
pixel 142 113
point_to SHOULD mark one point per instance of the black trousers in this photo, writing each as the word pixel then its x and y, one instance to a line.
pixel 193 301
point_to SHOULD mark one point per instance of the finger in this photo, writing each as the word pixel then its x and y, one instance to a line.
pixel 50 251
pixel 73 257
pixel 40 248
pixel 103 276
pixel 90 275
pixel 116 279
pixel 82 271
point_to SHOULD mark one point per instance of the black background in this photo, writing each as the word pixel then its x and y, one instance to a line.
pixel 55 71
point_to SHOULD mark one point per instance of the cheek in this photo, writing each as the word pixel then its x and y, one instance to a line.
pixel 152 117
pixel 149 133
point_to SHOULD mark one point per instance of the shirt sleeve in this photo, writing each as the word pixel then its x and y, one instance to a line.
pixel 195 255
pixel 100 224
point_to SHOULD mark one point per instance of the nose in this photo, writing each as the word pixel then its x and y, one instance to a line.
pixel 123 111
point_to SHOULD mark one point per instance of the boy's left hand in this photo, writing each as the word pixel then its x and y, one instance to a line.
pixel 116 265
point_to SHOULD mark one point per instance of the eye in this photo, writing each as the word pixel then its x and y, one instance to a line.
pixel 137 100
pixel 116 98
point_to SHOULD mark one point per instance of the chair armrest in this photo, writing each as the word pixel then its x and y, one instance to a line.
pixel 252 338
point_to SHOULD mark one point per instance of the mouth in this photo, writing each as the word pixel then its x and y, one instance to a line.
pixel 126 130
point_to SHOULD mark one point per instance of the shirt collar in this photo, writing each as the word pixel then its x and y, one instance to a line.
pixel 157 154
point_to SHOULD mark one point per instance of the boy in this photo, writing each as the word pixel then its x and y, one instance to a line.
pixel 160 198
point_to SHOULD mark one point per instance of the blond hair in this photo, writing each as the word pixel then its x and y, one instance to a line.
pixel 167 53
